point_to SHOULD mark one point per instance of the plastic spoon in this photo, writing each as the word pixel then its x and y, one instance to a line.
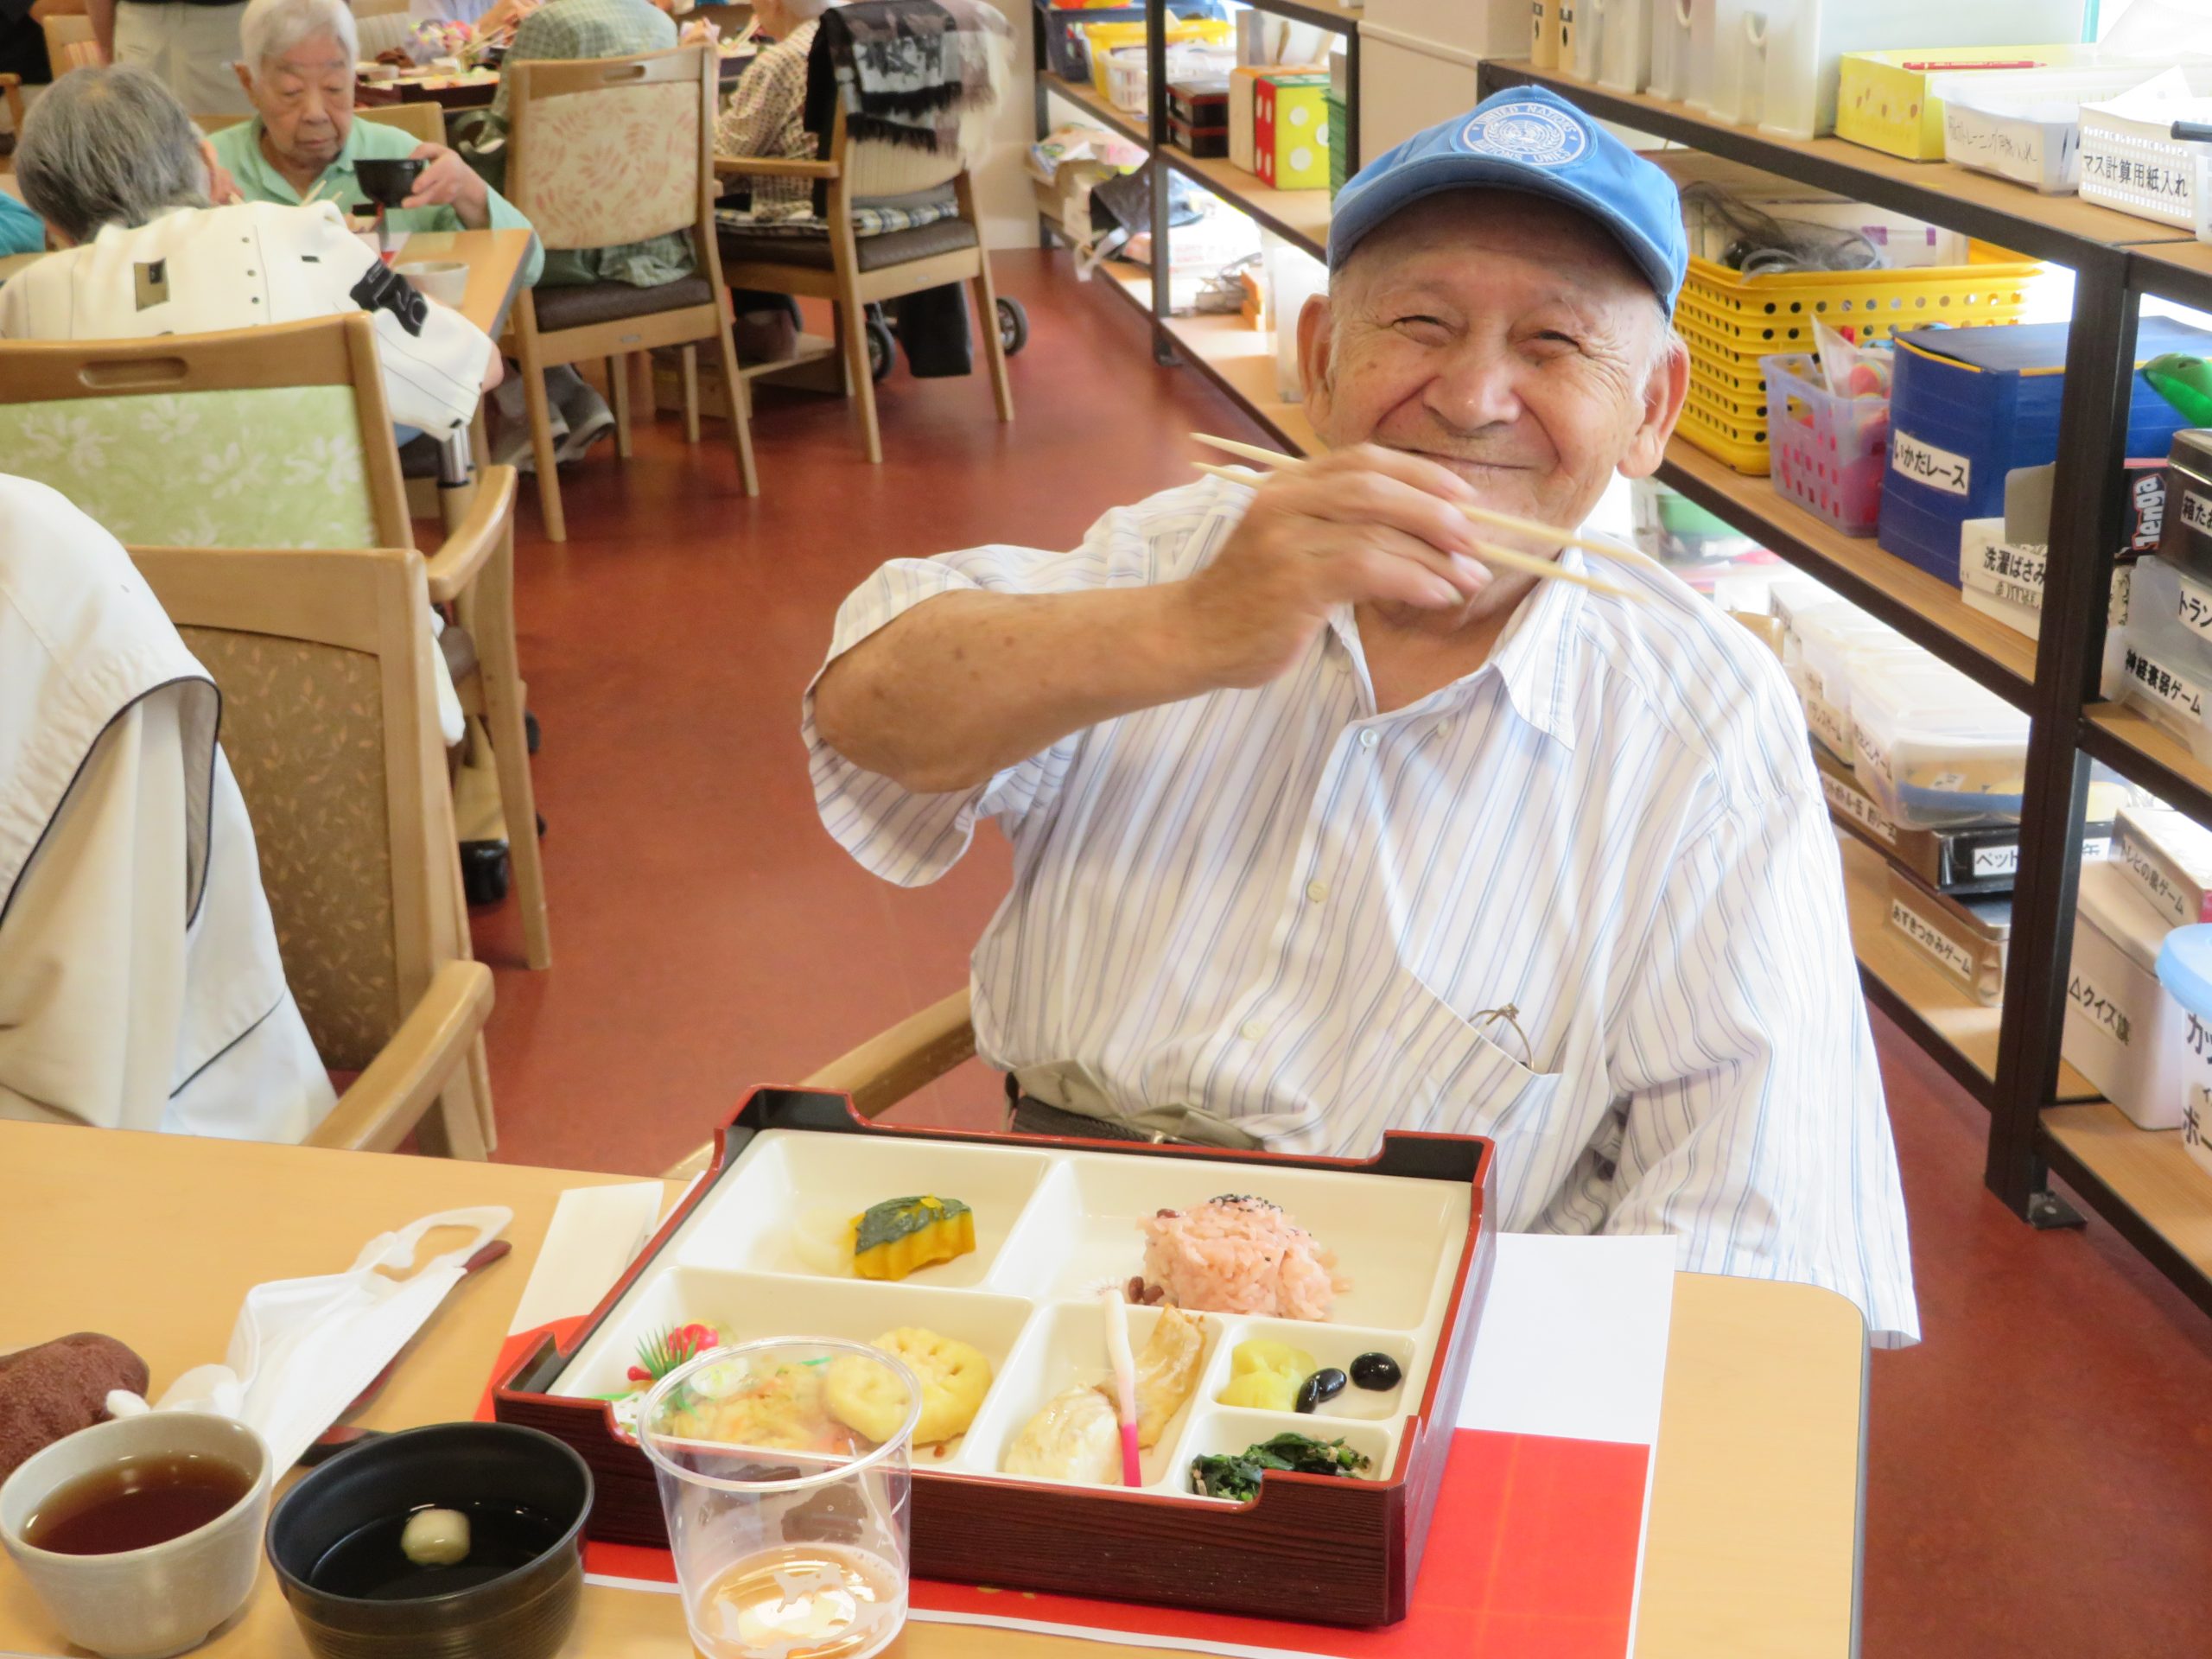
pixel 1125 1381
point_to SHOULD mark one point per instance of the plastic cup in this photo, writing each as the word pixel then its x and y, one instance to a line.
pixel 789 1525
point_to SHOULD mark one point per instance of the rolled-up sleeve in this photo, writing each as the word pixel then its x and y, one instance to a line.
pixel 1755 1129
pixel 914 839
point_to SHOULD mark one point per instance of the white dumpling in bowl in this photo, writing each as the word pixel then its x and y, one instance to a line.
pixel 1075 1437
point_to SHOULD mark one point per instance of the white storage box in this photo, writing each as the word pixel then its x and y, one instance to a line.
pixel 2124 1033
pixel 2132 161
pixel 2168 855
pixel 2185 970
pixel 1776 62
pixel 1934 749
pixel 2025 127
pixel 1682 62
pixel 1613 43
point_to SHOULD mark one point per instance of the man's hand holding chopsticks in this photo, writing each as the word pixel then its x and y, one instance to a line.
pixel 1363 525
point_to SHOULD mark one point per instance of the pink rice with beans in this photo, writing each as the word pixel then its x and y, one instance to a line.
pixel 1238 1255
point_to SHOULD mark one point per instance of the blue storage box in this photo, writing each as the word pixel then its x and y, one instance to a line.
pixel 1969 405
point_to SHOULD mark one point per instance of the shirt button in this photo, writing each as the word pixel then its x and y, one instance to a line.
pixel 1367 740
pixel 1317 891
pixel 1252 1030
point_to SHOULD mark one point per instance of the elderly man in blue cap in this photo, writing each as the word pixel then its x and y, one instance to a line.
pixel 1323 826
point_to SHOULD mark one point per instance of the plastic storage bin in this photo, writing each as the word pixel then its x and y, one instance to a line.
pixel 1834 645
pixel 1978 861
pixel 2166 667
pixel 2124 1030
pixel 1777 63
pixel 1731 320
pixel 2185 970
pixel 1827 451
pixel 1613 43
pixel 1934 749
pixel 1969 406
pixel 2027 127
pixel 1894 101
pixel 1681 51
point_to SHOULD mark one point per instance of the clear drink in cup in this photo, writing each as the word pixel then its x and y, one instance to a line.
pixel 788 1519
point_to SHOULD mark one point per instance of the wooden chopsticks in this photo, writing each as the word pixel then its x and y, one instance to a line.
pixel 1490 554
pixel 1281 462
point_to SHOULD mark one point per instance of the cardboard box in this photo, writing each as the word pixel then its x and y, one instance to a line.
pixel 1882 99
pixel 1965 938
pixel 1290 131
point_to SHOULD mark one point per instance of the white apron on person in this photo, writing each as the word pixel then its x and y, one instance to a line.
pixel 190 49
pixel 197 271
pixel 140 982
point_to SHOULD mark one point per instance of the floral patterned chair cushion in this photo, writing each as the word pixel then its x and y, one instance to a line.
pixel 280 468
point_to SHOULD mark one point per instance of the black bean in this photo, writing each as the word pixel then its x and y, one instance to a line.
pixel 1320 1386
pixel 1377 1372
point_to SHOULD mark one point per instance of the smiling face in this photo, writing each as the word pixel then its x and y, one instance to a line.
pixel 1504 335
pixel 305 99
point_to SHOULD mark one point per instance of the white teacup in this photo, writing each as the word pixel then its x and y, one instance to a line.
pixel 445 281
pixel 166 1598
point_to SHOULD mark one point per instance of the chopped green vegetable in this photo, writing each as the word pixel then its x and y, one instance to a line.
pixel 1238 1477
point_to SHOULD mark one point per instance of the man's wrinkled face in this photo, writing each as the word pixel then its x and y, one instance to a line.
pixel 1504 335
pixel 305 99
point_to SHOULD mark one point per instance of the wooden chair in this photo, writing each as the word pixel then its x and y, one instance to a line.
pixel 11 89
pixel 324 662
pixel 425 122
pixel 853 271
pixel 885 1069
pixel 278 437
pixel 602 152
pixel 70 44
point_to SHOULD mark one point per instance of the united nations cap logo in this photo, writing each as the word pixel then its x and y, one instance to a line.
pixel 1534 133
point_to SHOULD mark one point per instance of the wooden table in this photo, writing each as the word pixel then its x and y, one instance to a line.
pixel 1755 1507
pixel 495 261
pixel 476 95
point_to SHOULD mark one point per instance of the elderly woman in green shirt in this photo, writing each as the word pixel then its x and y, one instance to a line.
pixel 297 67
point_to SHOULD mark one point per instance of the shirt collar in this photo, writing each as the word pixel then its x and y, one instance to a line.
pixel 272 185
pixel 1531 659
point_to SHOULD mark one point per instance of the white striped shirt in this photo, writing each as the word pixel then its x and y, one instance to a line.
pixel 1293 911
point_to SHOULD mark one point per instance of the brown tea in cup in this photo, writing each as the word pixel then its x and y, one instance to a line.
pixel 135 1503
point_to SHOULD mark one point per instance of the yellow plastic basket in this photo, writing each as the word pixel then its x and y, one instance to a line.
pixel 1731 321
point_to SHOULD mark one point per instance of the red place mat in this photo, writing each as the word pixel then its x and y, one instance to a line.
pixel 1532 1554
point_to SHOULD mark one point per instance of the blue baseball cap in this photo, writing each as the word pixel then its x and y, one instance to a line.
pixel 1530 139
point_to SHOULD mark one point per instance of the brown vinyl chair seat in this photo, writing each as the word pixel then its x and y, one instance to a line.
pixel 875 252
pixel 583 304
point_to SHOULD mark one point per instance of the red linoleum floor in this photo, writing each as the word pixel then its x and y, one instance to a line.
pixel 2039 1471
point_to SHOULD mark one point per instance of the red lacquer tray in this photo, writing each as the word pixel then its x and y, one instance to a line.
pixel 1055 1219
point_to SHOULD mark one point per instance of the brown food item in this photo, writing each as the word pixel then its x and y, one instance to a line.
pixel 58 1387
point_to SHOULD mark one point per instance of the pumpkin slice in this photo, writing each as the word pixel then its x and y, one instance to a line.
pixel 901 1235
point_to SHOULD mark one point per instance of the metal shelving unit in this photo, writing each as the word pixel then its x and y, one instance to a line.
pixel 1231 358
pixel 2140 1181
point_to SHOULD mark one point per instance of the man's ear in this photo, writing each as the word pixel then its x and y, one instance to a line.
pixel 246 77
pixel 1664 388
pixel 1316 325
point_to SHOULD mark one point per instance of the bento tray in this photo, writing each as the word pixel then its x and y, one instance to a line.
pixel 1055 1219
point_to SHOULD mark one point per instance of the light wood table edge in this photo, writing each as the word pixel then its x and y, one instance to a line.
pixel 1702 1560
